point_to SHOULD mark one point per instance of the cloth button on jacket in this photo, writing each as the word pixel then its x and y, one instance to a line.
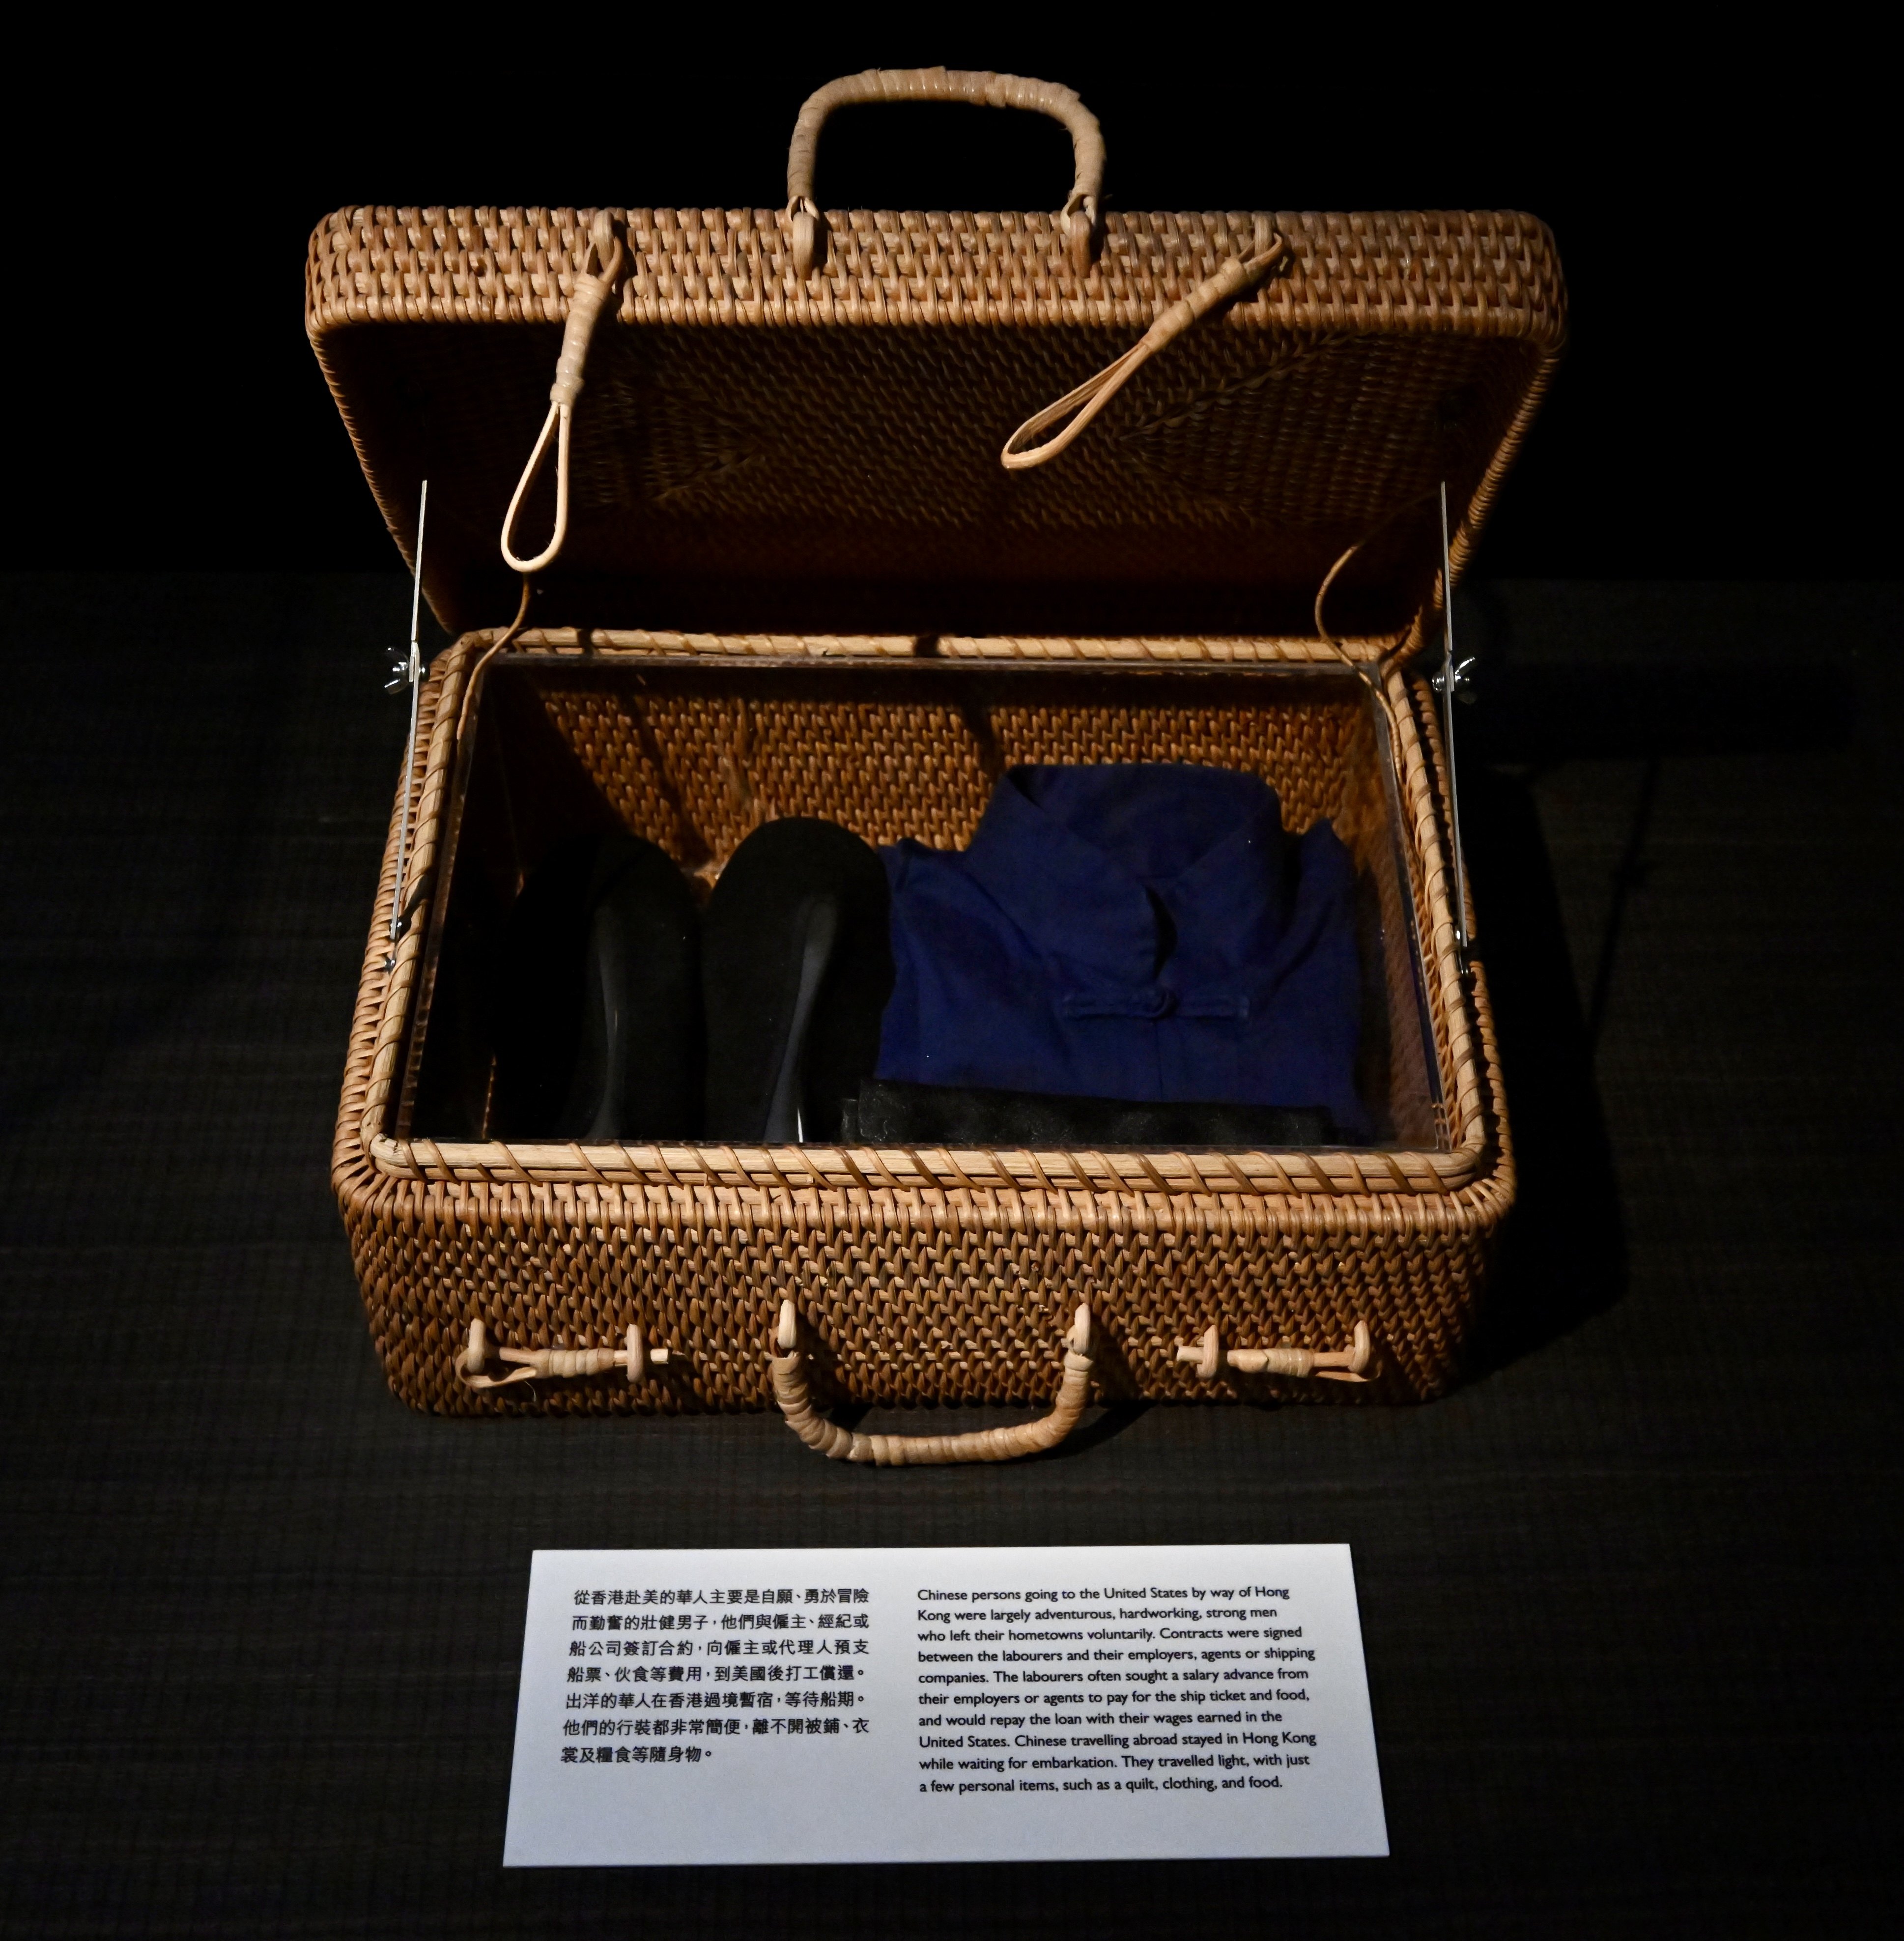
pixel 1129 931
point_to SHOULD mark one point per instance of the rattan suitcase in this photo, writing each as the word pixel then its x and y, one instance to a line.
pixel 791 574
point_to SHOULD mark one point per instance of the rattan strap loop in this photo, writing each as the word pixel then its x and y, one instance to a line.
pixel 983 90
pixel 1377 675
pixel 983 1445
pixel 1238 274
pixel 585 304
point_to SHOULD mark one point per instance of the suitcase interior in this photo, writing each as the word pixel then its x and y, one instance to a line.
pixel 693 753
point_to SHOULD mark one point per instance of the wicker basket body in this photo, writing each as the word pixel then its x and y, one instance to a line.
pixel 928 1275
pixel 768 457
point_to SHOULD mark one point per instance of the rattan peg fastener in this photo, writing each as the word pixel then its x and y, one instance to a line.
pixel 980 1445
pixel 534 1363
pixel 1207 1356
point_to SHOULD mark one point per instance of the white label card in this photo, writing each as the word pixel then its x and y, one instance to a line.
pixel 720 1707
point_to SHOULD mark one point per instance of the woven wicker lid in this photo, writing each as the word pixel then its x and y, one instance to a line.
pixel 756 450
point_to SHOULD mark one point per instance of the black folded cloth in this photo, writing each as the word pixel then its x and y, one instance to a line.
pixel 887 1112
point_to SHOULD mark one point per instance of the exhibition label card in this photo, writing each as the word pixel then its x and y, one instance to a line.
pixel 714 1707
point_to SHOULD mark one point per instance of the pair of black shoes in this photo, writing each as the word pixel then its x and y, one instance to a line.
pixel 628 1013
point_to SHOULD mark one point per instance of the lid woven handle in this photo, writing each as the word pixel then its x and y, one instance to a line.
pixel 983 90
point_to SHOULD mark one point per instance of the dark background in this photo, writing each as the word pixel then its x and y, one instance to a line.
pixel 1630 1596
pixel 1721 207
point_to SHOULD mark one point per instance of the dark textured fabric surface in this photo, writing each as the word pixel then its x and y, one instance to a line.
pixel 889 1113
pixel 1630 1597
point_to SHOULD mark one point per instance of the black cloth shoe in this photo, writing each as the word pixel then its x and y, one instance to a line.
pixel 598 1034
pixel 888 1113
pixel 796 967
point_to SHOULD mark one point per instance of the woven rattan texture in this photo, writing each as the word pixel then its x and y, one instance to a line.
pixel 695 772
pixel 935 1286
pixel 715 266
pixel 749 449
pixel 913 1301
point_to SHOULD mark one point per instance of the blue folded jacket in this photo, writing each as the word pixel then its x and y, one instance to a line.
pixel 1140 931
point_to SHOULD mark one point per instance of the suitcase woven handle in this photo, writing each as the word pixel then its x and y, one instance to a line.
pixel 982 1445
pixel 983 90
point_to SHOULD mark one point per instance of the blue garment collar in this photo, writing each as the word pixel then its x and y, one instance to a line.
pixel 1084 859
